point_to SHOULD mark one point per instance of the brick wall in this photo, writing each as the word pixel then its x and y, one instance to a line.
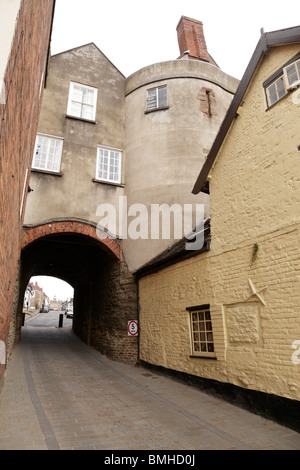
pixel 33 233
pixel 114 299
pixel 18 124
pixel 191 38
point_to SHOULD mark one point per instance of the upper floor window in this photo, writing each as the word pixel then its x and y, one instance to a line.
pixel 109 161
pixel 283 81
pixel 82 101
pixel 276 91
pixel 157 98
pixel 292 74
pixel 47 153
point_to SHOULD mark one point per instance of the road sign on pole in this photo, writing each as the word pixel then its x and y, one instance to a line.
pixel 133 328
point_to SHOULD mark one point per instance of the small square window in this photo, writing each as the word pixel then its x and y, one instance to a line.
pixel 109 163
pixel 201 331
pixel 47 153
pixel 82 101
pixel 157 98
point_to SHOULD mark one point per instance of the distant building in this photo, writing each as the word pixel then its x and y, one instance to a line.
pixel 35 297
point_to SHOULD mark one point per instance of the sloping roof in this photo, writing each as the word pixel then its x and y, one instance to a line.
pixel 267 40
pixel 174 254
pixel 88 45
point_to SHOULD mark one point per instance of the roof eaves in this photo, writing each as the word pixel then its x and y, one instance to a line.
pixel 174 254
pixel 267 40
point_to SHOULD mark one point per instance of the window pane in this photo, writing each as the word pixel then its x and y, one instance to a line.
pixel 276 91
pixel 157 98
pixel 109 165
pixel 152 99
pixel 77 94
pixel 87 111
pixel 162 97
pixel 202 334
pixel 75 109
pixel 292 74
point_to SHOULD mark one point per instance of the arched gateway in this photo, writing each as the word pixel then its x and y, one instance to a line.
pixel 105 297
pixel 32 233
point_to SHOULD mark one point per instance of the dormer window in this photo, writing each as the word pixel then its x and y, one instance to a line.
pixel 291 75
pixel 284 81
pixel 276 91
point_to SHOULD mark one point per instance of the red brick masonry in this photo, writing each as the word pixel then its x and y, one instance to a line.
pixel 31 234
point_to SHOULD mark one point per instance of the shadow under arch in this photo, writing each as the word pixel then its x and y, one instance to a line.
pixel 105 292
pixel 78 226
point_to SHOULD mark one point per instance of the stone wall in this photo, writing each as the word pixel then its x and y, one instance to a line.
pixel 103 309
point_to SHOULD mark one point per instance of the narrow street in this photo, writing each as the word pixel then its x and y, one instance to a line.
pixel 59 393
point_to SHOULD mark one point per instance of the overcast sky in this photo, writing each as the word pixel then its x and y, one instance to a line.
pixel 134 34
pixel 54 287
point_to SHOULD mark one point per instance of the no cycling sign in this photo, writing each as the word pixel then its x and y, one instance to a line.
pixel 132 328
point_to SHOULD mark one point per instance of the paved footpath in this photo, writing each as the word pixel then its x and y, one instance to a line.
pixel 59 393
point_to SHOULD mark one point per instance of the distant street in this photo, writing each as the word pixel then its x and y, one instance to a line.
pixel 50 319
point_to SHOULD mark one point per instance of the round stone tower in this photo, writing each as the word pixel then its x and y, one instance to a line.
pixel 173 112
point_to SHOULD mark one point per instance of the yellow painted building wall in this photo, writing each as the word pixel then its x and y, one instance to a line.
pixel 255 200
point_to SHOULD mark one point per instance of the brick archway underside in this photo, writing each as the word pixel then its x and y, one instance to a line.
pixel 32 233
pixel 105 292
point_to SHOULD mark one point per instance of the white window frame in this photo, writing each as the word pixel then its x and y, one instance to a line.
pixel 202 339
pixel 71 100
pixel 48 140
pixel 156 99
pixel 277 95
pixel 295 83
pixel 111 153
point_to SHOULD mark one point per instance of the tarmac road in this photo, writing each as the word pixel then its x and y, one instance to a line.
pixel 49 319
pixel 58 393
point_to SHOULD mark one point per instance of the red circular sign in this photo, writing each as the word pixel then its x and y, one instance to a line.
pixel 132 328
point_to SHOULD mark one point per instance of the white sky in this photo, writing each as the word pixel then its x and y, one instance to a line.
pixel 54 287
pixel 134 34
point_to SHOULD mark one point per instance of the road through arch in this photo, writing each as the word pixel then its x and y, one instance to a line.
pixel 105 294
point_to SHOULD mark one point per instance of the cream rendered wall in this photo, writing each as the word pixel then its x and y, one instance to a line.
pixel 255 199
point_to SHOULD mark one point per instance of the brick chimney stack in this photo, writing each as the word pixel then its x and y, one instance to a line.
pixel 191 39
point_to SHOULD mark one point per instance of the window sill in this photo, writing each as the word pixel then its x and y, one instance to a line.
pixel 46 172
pixel 80 119
pixel 156 109
pixel 110 183
pixel 203 357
